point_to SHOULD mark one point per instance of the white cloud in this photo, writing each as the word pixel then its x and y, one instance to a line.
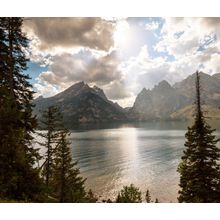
pixel 45 89
pixel 152 26
pixel 194 43
pixel 144 71
pixel 66 69
pixel 193 32
pixel 187 43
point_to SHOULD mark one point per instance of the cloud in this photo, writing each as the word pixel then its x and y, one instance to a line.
pixel 152 25
pixel 184 36
pixel 193 42
pixel 178 37
pixel 45 89
pixel 67 69
pixel 140 56
pixel 117 90
pixel 211 23
pixel 212 65
pixel 94 33
pixel 145 71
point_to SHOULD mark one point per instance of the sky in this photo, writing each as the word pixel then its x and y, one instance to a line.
pixel 120 55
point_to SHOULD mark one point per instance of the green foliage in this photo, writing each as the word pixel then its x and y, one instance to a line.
pixel 66 180
pixel 129 194
pixel 62 177
pixel 19 179
pixel 199 169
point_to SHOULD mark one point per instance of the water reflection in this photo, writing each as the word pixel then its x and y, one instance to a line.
pixel 146 154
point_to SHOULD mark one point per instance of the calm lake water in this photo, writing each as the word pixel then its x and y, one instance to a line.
pixel 145 154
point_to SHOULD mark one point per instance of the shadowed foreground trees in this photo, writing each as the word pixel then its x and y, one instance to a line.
pixel 62 177
pixel 19 179
pixel 50 124
pixel 66 180
pixel 199 169
pixel 19 176
pixel 132 194
pixel 129 194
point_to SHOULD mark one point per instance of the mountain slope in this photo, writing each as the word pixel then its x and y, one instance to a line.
pixel 157 103
pixel 82 104
pixel 210 88
pixel 189 111
pixel 216 76
pixel 173 102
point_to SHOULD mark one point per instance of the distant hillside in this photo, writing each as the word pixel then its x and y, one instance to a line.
pixel 216 75
pixel 210 88
pixel 176 102
pixel 82 104
pixel 188 112
pixel 157 103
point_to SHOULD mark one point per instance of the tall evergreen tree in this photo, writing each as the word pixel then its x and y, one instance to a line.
pixel 68 184
pixel 18 177
pixel 51 122
pixel 3 54
pixel 148 197
pixel 199 169
pixel 62 178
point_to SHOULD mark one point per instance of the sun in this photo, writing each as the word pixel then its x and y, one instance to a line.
pixel 122 35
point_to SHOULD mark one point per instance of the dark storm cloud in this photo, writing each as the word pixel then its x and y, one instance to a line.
pixel 94 33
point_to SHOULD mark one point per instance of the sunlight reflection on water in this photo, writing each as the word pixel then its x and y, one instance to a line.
pixel 146 155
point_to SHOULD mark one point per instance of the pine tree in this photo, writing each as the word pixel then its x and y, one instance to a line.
pixel 129 194
pixel 199 169
pixel 156 200
pixel 19 179
pixel 148 197
pixel 67 182
pixel 3 54
pixel 51 123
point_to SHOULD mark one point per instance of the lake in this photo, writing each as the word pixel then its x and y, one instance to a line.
pixel 145 154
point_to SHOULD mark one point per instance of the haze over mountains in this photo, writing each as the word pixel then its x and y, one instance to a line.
pixel 83 104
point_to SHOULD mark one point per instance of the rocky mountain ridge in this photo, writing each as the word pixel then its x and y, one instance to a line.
pixel 81 103
pixel 172 102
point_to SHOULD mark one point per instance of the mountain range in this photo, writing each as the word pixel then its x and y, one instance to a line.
pixel 176 102
pixel 81 103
